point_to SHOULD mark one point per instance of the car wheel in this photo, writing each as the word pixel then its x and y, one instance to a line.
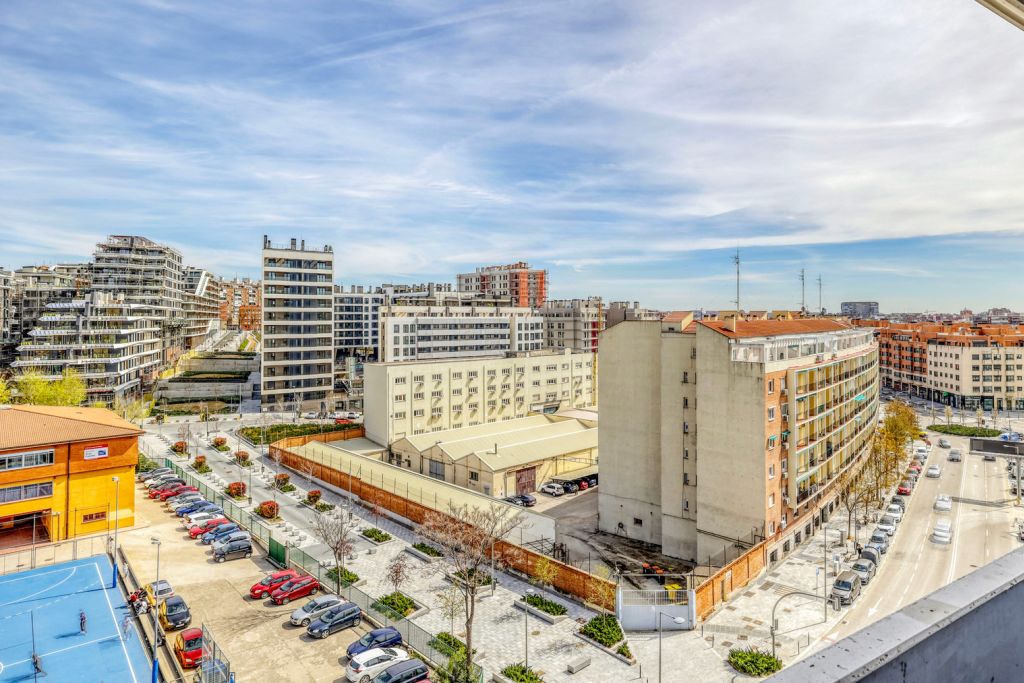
pixel 364 679
pixel 313 592
pixel 220 558
pixel 305 622
pixel 323 634
pixel 285 600
pixel 248 554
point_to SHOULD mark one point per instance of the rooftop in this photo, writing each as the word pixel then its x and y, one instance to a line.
pixel 26 426
pixel 774 328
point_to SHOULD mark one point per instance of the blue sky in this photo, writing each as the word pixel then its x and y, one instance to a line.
pixel 629 147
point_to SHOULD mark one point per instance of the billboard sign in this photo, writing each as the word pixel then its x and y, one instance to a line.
pixel 96 452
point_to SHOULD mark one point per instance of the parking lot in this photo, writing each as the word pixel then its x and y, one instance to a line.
pixel 259 642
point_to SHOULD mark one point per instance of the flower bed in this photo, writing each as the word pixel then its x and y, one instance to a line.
pixel 753 662
pixel 603 629
pixel 545 605
pixel 268 509
pixel 236 490
pixel 398 605
pixel 242 458
pixel 964 430
pixel 314 496
pixel 179 447
pixel 376 535
pixel 200 466
pixel 448 645
pixel 279 431
pixel 221 444
pixel 347 578
pixel 520 673
pixel 282 483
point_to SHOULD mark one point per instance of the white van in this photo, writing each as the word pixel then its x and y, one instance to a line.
pixel 943 532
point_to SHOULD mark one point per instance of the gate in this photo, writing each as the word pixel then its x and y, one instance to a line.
pixel 215 667
pixel 526 481
pixel 278 553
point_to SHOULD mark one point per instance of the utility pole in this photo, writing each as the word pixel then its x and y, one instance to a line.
pixel 821 309
pixel 803 298
pixel 736 260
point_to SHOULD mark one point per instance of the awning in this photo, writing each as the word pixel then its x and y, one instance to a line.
pixel 587 471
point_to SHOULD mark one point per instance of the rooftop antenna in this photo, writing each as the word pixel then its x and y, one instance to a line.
pixel 736 260
pixel 820 309
pixel 803 298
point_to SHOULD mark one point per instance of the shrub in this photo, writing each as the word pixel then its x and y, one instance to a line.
pixel 964 430
pixel 520 673
pixel 200 466
pixel 236 489
pixel 324 507
pixel 624 651
pixel 753 662
pixel 179 447
pixel 481 578
pixel 377 535
pixel 545 605
pixel 145 464
pixel 428 549
pixel 347 577
pixel 268 509
pixel 281 483
pixel 449 645
pixel 280 431
pixel 314 496
pixel 603 629
pixel 398 603
pixel 219 441
pixel 242 458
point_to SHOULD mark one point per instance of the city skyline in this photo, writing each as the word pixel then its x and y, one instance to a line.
pixel 629 151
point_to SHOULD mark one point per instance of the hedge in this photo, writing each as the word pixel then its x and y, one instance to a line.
pixel 281 431
pixel 964 430
pixel 753 662
pixel 448 645
pixel 545 605
pixel 603 629
pixel 347 577
pixel 399 603
pixel 520 673
pixel 377 535
pixel 427 549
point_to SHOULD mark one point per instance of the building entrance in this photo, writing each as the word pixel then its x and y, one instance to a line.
pixel 24 529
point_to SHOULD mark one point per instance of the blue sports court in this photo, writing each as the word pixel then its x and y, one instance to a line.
pixel 39 612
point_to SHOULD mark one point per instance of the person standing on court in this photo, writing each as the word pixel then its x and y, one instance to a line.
pixel 126 627
pixel 37 664
pixel 81 622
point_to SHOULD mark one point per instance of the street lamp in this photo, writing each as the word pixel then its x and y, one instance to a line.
pixel 156 624
pixel 526 628
pixel 678 620
pixel 117 507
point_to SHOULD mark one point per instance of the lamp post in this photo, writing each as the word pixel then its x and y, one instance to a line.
pixel 156 624
pixel 526 628
pixel 117 507
pixel 678 620
pixel 56 525
pixel 249 490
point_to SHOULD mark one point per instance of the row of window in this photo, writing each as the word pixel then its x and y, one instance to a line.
pixel 19 461
pixel 13 494
pixel 473 374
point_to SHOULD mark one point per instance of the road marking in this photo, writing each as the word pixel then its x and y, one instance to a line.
pixel 113 619
pixel 956 530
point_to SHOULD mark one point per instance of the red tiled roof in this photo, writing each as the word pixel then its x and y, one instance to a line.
pixel 26 426
pixel 774 328
pixel 676 316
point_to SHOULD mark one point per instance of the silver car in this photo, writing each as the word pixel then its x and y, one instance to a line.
pixel 933 472
pixel 887 524
pixel 312 610
pixel 954 455
pixel 865 569
pixel 943 503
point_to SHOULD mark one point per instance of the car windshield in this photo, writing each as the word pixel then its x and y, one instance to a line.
pixel 878 538
pixel 366 640
pixel 310 606
pixel 332 614
pixel 843 585
pixel 269 580
pixel 193 643
pixel 175 608
pixel 287 586
pixel 860 566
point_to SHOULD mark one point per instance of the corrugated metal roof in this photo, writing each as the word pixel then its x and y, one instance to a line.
pixel 457 447
pixel 422 442
pixel 539 449
pixel 774 328
pixel 29 426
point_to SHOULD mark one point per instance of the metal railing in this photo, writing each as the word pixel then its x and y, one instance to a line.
pixel 41 555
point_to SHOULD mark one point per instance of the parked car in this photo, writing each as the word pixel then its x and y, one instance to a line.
pixel 208 525
pixel 198 518
pixel 944 443
pixel 158 590
pixel 233 550
pixel 164 483
pixel 879 539
pixel 219 532
pixel 233 537
pixel 887 524
pixel 271 582
pixel 954 455
pixel 352 415
pixel 570 486
pixel 921 453
pixel 188 647
pixel 943 503
pixel 865 569
pixel 182 499
pixel 309 416
pixel 914 467
pixel 152 474
pixel 989 457
pixel 174 613
pixel 312 610
pixel 514 500
pixel 409 671
pixel 592 481
pixel 366 665
pixel 296 588
pixel 552 489
pixel 381 637
pixel 934 471
pixel 526 500
pixel 943 532
pixel 157 478
pixel 198 506
pixel 846 587
pixel 583 484
pixel 168 489
pixel 177 492
pixel 339 618
pixel 896 500
pixel 871 554
pixel 895 511
pixel 905 488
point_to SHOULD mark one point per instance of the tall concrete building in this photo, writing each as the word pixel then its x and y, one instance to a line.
pixel 526 286
pixel 115 345
pixel 621 311
pixel 148 274
pixel 200 306
pixel 859 309
pixel 298 328
pixel 240 305
pixel 716 432
pixel 37 286
pixel 572 323
pixel 408 398
pixel 8 317
pixel 410 333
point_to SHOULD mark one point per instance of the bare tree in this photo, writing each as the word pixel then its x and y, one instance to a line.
pixel 451 604
pixel 334 529
pixel 398 571
pixel 466 536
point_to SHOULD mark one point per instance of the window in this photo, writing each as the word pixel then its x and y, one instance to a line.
pixel 474 476
pixel 456 375
pixel 417 413
pixel 418 396
pixel 771 471
pixel 771 386
pixel 637 521
pixel 686 454
pixel 686 402
pixel 771 500
pixel 94 517
pixel 771 413
pixel 436 378
pixel 399 380
pixel 399 398
pixel 437 469
pixel 19 461
pixel 11 494
pixel 686 505
pixel 772 440
pixel 400 415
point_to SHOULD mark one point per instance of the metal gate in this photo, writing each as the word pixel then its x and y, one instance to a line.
pixel 278 553
pixel 215 667
pixel 526 480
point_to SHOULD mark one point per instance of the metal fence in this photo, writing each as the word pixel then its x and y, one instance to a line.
pixel 215 667
pixel 23 559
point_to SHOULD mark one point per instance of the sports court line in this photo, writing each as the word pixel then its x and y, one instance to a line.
pixel 63 649
pixel 32 595
pixel 113 619
pixel 32 576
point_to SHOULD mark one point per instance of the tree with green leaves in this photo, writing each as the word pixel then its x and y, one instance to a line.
pixel 33 388
pixel 5 392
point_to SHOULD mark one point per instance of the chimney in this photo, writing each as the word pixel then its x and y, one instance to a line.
pixel 293 243
pixel 731 323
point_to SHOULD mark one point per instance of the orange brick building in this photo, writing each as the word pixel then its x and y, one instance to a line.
pixel 524 285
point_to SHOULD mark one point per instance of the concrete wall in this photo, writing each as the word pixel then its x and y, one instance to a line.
pixel 196 364
pixel 203 390
pixel 630 430
pixel 375 403
pixel 678 445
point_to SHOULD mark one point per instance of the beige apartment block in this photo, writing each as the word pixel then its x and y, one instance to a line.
pixel 572 323
pixel 409 398
pixel 717 432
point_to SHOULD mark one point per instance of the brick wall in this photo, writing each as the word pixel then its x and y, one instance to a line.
pixel 729 578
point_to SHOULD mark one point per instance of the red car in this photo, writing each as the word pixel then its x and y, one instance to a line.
pixel 164 495
pixel 160 489
pixel 201 528
pixel 296 588
pixel 904 489
pixel 271 583
pixel 188 647
pixel 342 421
pixel 915 466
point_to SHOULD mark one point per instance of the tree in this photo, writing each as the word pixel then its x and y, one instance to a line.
pixel 35 389
pixel 857 488
pixel 398 571
pixel 131 409
pixel 334 529
pixel 467 536
pixel 457 670
pixel 544 572
pixel 598 592
pixel 451 604
pixel 5 392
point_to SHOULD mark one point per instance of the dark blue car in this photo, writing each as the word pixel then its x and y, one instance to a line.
pixel 222 530
pixel 381 637
pixel 199 506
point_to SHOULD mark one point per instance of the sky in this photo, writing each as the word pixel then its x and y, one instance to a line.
pixel 627 146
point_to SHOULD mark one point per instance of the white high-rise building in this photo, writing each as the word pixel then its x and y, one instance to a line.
pixel 411 333
pixel 572 323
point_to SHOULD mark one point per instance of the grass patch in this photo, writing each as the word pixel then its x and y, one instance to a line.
pixel 545 605
pixel 428 550
pixel 448 645
pixel 347 577
pixel 965 430
pixel 398 605
pixel 376 535
pixel 281 431
pixel 603 629
pixel 520 673
pixel 624 651
pixel 753 662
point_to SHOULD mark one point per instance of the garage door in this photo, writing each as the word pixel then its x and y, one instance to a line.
pixel 526 480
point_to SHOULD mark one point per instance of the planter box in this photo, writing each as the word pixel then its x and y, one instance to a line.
pixel 367 538
pixel 609 650
pixel 420 611
pixel 461 582
pixel 539 613
pixel 420 555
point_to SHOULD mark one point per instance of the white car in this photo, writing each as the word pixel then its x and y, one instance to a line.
pixel 363 667
pixel 552 489
pixel 887 524
pixel 943 503
pixel 352 415
pixel 895 511
pixel 933 472
pixel 309 416
pixel 200 517
pixel 943 532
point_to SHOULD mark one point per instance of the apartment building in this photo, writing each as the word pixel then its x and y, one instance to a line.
pixel 963 365
pixel 113 344
pixel 200 306
pixel 37 286
pixel 147 274
pixel 410 333
pixel 8 317
pixel 240 304
pixel 718 432
pixel 298 328
pixel 415 397
pixel 572 323
pixel 859 309
pixel 621 311
pixel 526 286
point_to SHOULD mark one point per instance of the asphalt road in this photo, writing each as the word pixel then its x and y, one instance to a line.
pixel 983 517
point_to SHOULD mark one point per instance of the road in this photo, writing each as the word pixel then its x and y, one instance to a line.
pixel 984 517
